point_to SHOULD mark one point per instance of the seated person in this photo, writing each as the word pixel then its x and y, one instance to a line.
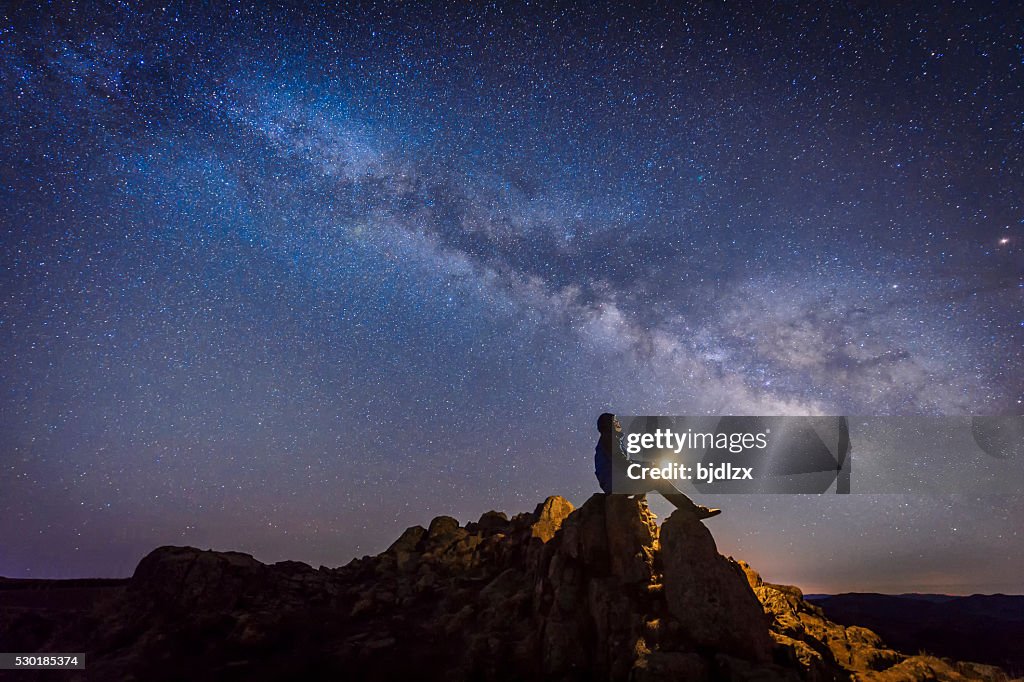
pixel 611 462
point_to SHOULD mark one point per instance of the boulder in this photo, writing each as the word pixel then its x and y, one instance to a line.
pixel 549 517
pixel 709 594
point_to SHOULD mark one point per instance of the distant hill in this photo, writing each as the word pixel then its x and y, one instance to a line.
pixel 75 594
pixel 985 628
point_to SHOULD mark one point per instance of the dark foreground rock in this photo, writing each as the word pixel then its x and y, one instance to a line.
pixel 596 593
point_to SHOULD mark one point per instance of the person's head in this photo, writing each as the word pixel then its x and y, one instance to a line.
pixel 608 424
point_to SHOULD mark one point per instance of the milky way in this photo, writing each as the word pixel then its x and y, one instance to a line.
pixel 288 281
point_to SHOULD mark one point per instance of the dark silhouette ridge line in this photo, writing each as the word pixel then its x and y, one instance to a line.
pixel 599 592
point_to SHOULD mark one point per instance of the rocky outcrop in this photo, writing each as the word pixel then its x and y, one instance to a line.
pixel 595 593
pixel 709 594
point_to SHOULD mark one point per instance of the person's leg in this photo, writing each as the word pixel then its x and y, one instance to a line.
pixel 669 492
pixel 681 501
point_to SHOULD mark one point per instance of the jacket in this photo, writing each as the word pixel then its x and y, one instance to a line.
pixel 610 460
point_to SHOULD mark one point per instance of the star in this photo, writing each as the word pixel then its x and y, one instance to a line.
pixel 276 270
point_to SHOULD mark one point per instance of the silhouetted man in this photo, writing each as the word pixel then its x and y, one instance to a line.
pixel 611 462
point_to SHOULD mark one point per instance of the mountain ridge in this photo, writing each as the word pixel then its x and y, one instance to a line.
pixel 987 628
pixel 560 593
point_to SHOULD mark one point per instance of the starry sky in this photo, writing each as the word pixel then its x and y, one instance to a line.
pixel 288 280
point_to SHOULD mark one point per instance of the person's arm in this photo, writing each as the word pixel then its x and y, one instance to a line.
pixel 619 455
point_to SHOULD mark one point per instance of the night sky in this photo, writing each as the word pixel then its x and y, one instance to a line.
pixel 287 281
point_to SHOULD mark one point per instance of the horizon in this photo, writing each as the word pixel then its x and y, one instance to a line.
pixel 895 590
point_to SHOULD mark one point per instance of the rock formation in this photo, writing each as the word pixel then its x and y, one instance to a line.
pixel 595 593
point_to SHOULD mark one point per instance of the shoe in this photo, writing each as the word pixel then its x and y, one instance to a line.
pixel 706 513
